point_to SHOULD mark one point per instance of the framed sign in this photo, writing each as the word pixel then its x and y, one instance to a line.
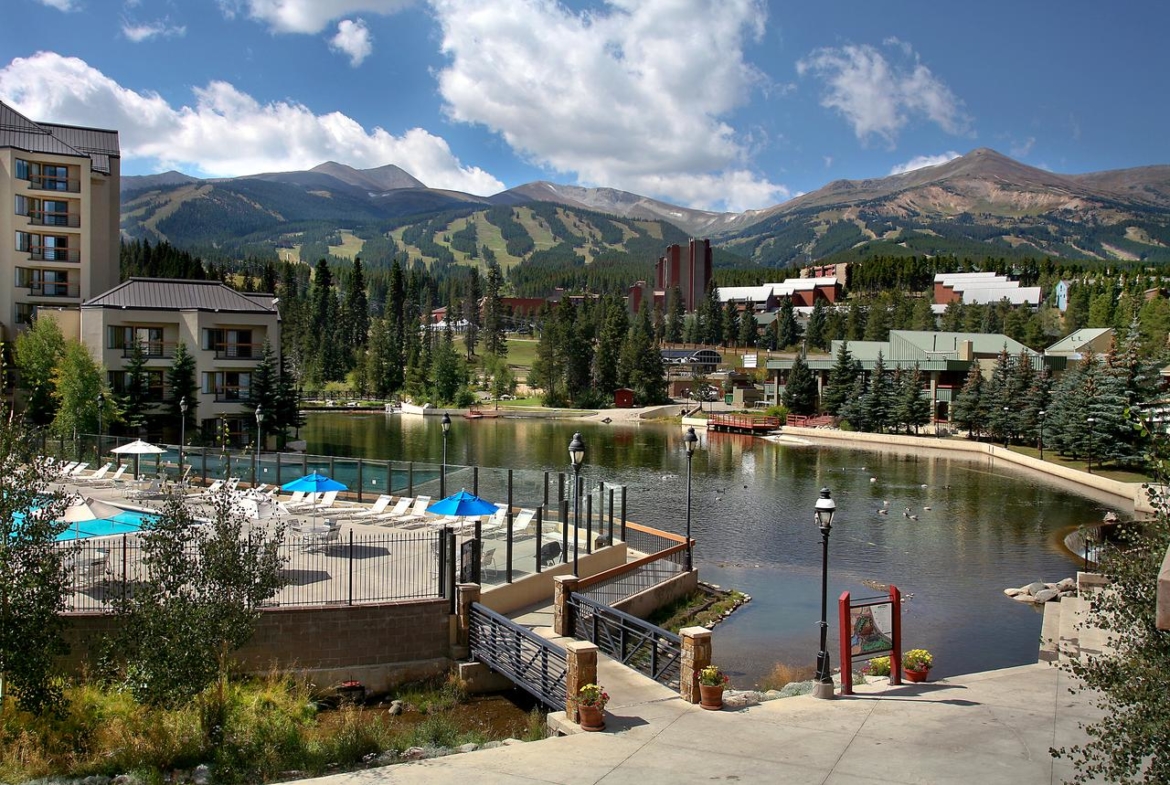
pixel 870 628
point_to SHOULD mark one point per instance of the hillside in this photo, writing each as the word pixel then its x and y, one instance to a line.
pixel 981 204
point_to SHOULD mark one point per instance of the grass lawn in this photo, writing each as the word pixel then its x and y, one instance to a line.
pixel 1120 475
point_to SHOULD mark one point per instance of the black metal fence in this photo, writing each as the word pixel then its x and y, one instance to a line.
pixel 538 666
pixel 639 644
pixel 352 569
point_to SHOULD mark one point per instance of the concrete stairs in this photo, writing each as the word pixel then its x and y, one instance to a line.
pixel 1066 631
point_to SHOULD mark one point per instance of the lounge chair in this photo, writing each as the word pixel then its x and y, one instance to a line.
pixel 497 521
pixel 96 474
pixel 215 487
pixel 307 500
pixel 322 541
pixel 373 511
pixel 112 480
pixel 417 517
pixel 92 570
pixel 295 500
pixel 522 521
pixel 401 507
pixel 75 472
pixel 323 502
pixel 63 471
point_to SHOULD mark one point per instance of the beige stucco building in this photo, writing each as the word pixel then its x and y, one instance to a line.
pixel 59 216
pixel 224 330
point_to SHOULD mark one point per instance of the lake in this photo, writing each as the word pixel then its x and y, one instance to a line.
pixel 989 526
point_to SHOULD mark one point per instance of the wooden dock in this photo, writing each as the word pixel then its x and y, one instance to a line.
pixel 742 423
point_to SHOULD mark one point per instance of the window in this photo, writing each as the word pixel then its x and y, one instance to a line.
pixel 22 169
pixel 124 337
pixel 24 313
pixel 234 344
pixel 44 283
pixel 228 385
pixel 120 383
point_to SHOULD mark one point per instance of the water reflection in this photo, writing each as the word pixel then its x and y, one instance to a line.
pixel 987 527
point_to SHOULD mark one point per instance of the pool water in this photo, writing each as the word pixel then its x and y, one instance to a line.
pixel 125 522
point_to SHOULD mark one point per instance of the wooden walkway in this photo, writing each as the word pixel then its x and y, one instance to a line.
pixel 742 423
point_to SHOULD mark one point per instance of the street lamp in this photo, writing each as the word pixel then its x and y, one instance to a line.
pixel 182 432
pixel 443 476
pixel 1090 421
pixel 690 441
pixel 576 456
pixel 1041 414
pixel 825 508
pixel 259 441
pixel 101 399
pixel 1005 427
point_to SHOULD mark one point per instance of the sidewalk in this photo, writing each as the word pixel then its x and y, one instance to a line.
pixel 986 728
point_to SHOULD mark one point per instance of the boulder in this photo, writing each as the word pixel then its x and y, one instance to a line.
pixel 1044 595
pixel 1067 584
pixel 1013 592
pixel 1024 597
pixel 1034 587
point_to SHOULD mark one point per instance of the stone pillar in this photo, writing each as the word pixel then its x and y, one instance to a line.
pixel 563 586
pixel 696 655
pixel 466 594
pixel 582 670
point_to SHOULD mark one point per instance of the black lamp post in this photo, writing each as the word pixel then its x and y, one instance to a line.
pixel 101 399
pixel 1090 421
pixel 576 456
pixel 690 441
pixel 825 508
pixel 443 476
pixel 1040 414
pixel 182 432
pixel 1005 427
pixel 259 442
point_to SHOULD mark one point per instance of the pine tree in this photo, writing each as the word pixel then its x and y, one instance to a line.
pixel 800 392
pixel 730 324
pixel 675 316
pixel 135 397
pixel 815 335
pixel 841 379
pixel 913 406
pixel 609 345
pixel 968 408
pixel 789 330
pixel 748 329
pixel 494 339
pixel 182 383
pixel 878 400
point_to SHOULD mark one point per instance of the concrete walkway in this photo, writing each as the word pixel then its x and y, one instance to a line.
pixel 986 728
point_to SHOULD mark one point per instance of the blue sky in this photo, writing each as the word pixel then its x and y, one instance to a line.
pixel 713 104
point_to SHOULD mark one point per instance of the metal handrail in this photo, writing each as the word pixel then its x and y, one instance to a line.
pixel 534 664
pixel 636 643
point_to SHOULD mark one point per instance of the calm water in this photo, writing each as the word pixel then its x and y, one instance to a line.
pixel 989 527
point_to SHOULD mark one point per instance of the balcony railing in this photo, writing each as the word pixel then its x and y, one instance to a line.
pixel 40 182
pixel 232 394
pixel 238 351
pixel 152 349
pixel 54 289
pixel 42 218
pixel 40 253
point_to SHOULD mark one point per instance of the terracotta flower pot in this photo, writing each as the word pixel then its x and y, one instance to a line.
pixel 915 676
pixel 711 696
pixel 591 718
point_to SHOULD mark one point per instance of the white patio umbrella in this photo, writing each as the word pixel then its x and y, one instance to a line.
pixel 82 509
pixel 138 448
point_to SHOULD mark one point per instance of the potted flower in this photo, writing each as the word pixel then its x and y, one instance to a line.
pixel 878 666
pixel 916 664
pixel 591 700
pixel 712 681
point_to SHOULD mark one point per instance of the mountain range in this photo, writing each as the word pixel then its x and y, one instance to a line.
pixel 980 204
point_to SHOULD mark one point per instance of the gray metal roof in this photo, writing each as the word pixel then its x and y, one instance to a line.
pixel 166 294
pixel 97 144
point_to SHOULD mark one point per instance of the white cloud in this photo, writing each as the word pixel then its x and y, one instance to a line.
pixel 226 132
pixel 922 161
pixel 878 96
pixel 61 5
pixel 307 16
pixel 1021 149
pixel 353 39
pixel 634 95
pixel 143 32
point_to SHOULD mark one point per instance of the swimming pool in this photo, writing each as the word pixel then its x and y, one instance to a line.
pixel 125 522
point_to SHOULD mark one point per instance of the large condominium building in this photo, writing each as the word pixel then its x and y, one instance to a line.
pixel 59 214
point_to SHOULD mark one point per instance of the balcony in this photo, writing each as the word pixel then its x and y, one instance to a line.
pixel 153 350
pixel 238 351
pixel 42 289
pixel 42 218
pixel 40 253
pixel 233 394
pixel 39 182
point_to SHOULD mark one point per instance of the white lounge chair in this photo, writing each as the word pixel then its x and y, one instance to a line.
pixel 64 471
pixel 521 522
pixel 96 474
pixel 111 480
pixel 92 570
pixel 495 522
pixel 417 517
pixel 75 472
pixel 373 511
pixel 306 500
pixel 401 507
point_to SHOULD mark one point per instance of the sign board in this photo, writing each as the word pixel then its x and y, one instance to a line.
pixel 750 360
pixel 870 628
pixel 468 562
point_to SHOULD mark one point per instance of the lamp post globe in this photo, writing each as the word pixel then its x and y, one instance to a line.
pixel 576 457
pixel 690 441
pixel 446 423
pixel 824 510
pixel 182 432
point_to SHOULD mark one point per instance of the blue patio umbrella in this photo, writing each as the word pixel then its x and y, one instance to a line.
pixel 462 504
pixel 314 483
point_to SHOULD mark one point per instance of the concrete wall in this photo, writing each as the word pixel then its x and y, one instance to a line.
pixel 644 603
pixel 379 645
pixel 533 589
pixel 1134 493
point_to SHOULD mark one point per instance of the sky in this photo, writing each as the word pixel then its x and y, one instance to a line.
pixel 711 104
